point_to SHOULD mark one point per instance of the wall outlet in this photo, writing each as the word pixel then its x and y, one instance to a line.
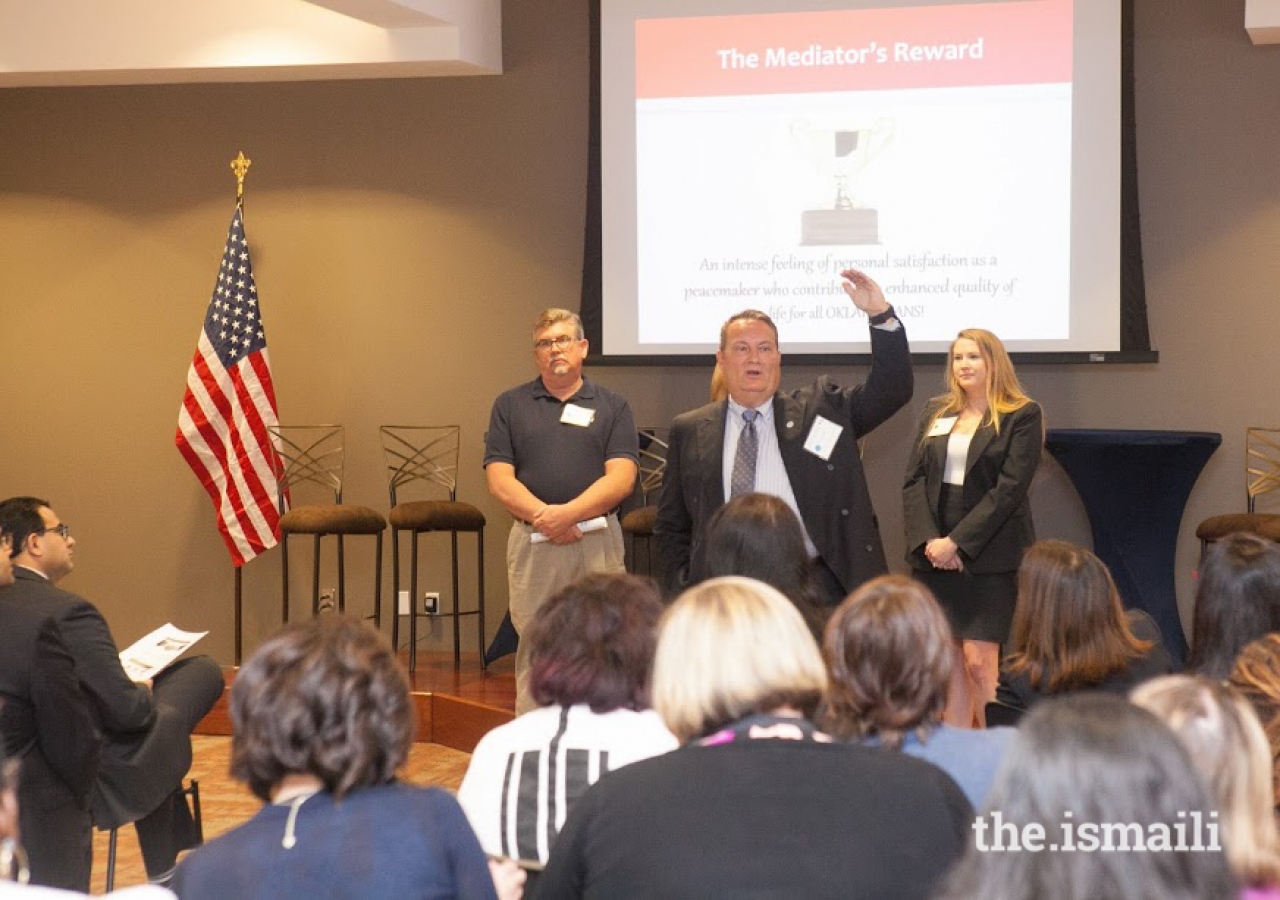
pixel 431 603
pixel 327 601
pixel 402 605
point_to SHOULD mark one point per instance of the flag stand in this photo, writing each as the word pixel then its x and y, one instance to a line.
pixel 239 596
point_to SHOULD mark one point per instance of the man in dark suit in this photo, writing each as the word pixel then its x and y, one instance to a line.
pixel 801 446
pixel 46 726
pixel 147 726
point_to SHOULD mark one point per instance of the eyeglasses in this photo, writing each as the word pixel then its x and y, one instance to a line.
pixel 560 343
pixel 63 530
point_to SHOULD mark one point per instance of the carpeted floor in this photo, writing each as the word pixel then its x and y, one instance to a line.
pixel 226 803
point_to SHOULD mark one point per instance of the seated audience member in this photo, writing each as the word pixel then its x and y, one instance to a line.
pixel 1237 600
pixel 1071 632
pixel 1256 676
pixel 592 649
pixel 1226 743
pixel 322 720
pixel 146 726
pixel 890 657
pixel 17 872
pixel 757 802
pixel 46 724
pixel 1080 765
pixel 758 536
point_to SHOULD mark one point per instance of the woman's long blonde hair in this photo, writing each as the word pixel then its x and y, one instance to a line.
pixel 1004 391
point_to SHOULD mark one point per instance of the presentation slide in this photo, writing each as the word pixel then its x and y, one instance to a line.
pixel 966 156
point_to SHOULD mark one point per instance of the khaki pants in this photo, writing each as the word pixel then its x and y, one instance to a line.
pixel 536 571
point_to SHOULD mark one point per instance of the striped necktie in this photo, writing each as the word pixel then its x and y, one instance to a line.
pixel 743 479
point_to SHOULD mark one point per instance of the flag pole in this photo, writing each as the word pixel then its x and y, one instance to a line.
pixel 240 165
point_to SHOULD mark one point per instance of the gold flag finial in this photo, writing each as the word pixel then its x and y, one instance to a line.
pixel 240 166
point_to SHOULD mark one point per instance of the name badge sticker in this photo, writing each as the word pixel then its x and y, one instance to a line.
pixel 574 414
pixel 823 437
pixel 942 426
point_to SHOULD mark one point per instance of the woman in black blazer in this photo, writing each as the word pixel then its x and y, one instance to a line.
pixel 968 520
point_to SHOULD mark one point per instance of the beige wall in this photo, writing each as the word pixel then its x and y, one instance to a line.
pixel 406 232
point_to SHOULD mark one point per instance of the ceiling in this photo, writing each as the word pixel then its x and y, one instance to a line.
pixel 1262 21
pixel 77 42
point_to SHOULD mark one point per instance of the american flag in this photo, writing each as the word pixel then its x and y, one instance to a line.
pixel 228 406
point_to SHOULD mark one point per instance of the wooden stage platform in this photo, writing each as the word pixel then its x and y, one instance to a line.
pixel 456 705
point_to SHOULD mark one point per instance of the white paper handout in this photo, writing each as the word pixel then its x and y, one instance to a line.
pixel 150 655
pixel 596 524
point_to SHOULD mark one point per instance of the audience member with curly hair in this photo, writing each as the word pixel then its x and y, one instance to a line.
pixel 323 719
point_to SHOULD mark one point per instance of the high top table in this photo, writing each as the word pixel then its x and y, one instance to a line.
pixel 1134 485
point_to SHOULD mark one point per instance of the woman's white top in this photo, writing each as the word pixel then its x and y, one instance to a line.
pixel 957 455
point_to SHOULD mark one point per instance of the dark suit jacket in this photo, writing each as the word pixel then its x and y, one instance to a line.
pixel 141 764
pixel 46 722
pixel 832 494
pixel 996 529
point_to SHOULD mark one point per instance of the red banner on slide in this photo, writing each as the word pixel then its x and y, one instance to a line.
pixel 855 50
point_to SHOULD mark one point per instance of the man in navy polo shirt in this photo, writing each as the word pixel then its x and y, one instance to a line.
pixel 560 455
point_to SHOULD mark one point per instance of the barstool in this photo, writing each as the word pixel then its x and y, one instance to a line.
pixel 1261 476
pixel 429 454
pixel 314 454
pixel 638 523
pixel 192 790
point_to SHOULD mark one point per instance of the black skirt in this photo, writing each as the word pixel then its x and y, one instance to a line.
pixel 979 607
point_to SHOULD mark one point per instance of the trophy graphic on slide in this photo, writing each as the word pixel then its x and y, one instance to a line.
pixel 839 154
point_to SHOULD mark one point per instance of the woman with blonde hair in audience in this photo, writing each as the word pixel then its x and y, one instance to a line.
pixel 1085 772
pixel 1071 632
pixel 322 720
pixel 1256 676
pixel 1237 600
pixel 1226 743
pixel 757 801
pixel 890 657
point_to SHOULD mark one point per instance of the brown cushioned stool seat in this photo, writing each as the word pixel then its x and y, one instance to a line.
pixel 436 515
pixel 333 518
pixel 426 456
pixel 639 522
pixel 310 457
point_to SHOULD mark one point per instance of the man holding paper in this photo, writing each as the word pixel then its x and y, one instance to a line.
pixel 146 726
pixel 800 446
pixel 560 455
